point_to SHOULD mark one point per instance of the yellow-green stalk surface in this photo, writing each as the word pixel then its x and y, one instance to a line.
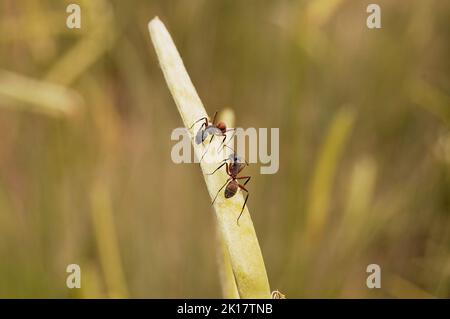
pixel 38 96
pixel 107 241
pixel 229 288
pixel 325 171
pixel 241 241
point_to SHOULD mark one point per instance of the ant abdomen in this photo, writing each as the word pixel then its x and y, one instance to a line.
pixel 231 189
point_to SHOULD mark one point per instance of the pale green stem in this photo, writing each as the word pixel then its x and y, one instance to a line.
pixel 322 181
pixel 241 241
pixel 20 92
pixel 229 288
pixel 107 241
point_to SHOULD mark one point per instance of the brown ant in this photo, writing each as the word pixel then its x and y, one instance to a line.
pixel 232 185
pixel 210 128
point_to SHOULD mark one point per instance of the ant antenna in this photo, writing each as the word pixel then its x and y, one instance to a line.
pixel 225 145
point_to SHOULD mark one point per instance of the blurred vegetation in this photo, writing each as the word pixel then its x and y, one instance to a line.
pixel 85 169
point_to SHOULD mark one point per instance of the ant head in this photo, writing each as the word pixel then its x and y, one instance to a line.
pixel 221 126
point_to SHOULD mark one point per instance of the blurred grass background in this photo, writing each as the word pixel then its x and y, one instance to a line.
pixel 85 169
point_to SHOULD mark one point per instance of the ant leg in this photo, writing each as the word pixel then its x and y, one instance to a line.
pixel 207 148
pixel 223 144
pixel 245 202
pixel 212 136
pixel 204 154
pixel 247 177
pixel 223 147
pixel 232 135
pixel 220 190
pixel 219 167
pixel 214 118
pixel 202 130
pixel 228 170
pixel 202 119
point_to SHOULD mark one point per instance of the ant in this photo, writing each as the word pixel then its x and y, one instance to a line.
pixel 232 185
pixel 211 128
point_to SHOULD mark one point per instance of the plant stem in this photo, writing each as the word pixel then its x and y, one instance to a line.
pixel 21 92
pixel 229 288
pixel 241 241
